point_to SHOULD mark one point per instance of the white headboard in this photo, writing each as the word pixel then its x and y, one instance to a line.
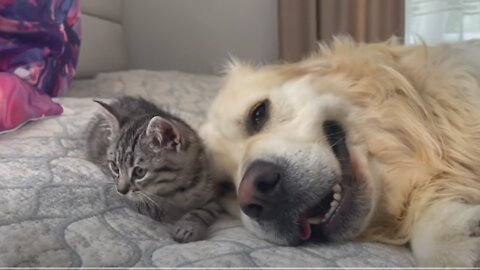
pixel 103 43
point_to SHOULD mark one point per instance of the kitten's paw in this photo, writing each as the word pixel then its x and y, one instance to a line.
pixel 187 231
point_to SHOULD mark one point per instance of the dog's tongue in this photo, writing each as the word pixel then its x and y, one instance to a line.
pixel 304 229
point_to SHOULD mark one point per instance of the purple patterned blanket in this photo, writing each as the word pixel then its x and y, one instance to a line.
pixel 39 48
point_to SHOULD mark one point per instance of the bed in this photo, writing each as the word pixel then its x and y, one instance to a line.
pixel 56 209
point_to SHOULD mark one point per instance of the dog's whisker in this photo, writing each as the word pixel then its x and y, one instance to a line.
pixel 334 134
pixel 338 141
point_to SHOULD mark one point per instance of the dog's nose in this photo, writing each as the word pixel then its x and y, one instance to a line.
pixel 260 189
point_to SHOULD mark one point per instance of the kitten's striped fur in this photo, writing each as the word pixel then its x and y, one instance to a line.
pixel 158 164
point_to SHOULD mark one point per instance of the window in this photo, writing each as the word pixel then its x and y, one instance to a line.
pixel 441 20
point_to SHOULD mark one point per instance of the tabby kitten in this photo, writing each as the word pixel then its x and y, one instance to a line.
pixel 158 165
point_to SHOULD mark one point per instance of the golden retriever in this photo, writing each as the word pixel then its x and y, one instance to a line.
pixel 377 142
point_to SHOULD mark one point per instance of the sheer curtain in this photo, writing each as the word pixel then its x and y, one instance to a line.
pixel 441 20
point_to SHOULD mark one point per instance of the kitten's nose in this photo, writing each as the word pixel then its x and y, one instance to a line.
pixel 123 187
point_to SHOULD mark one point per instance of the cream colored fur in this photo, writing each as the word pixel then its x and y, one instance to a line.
pixel 412 115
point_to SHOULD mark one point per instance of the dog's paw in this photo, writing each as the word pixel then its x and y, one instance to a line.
pixel 449 236
pixel 475 232
pixel 186 231
pixel 475 228
pixel 467 244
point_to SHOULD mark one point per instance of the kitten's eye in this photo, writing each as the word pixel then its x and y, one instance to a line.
pixel 113 168
pixel 139 172
pixel 258 116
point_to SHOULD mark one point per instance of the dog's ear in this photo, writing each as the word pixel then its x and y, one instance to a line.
pixel 235 65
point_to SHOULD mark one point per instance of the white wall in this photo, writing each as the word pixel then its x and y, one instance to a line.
pixel 197 35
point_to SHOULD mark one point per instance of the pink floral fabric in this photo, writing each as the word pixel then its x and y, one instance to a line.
pixel 39 48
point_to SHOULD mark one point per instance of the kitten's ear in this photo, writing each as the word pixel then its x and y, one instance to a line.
pixel 164 134
pixel 110 116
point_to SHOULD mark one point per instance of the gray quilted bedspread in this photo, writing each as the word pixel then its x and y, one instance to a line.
pixel 55 208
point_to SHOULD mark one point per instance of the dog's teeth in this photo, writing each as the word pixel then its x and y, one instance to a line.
pixel 333 205
pixel 316 220
pixel 337 188
pixel 332 209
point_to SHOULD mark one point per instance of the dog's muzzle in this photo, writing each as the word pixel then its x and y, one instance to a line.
pixel 260 190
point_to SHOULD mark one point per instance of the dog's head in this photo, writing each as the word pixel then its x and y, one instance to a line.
pixel 293 142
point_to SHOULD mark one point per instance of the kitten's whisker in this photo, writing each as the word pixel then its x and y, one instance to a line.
pixel 148 198
pixel 144 201
pixel 149 195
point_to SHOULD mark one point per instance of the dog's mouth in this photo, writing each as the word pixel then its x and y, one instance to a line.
pixel 325 217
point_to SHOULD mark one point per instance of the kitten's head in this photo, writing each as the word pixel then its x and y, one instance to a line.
pixel 157 162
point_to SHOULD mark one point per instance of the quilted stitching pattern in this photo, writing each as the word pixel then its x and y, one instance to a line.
pixel 55 208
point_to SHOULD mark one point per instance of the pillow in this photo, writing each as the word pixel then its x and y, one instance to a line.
pixel 20 102
pixel 39 48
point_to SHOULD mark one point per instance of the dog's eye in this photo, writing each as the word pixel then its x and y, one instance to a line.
pixel 258 116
